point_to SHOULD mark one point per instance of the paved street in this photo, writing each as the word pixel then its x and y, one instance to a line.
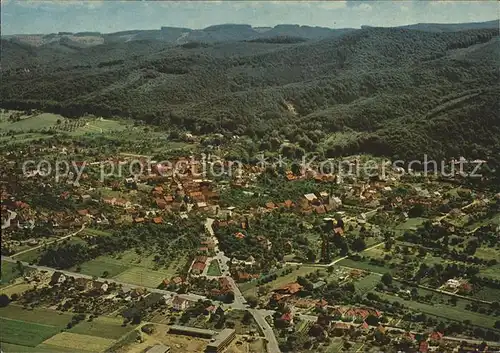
pixel 192 297
pixel 239 300
pixel 52 241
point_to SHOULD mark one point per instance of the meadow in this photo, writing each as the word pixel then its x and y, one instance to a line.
pixel 129 267
pixel 105 327
pixel 9 273
pixel 27 123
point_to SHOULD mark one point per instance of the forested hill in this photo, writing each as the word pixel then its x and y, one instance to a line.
pixel 393 91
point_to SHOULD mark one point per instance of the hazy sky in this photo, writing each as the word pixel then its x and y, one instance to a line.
pixel 40 16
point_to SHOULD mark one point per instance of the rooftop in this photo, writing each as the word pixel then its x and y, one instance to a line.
pixel 221 337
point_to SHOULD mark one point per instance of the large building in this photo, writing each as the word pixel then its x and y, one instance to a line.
pixel 191 331
pixel 159 348
pixel 221 341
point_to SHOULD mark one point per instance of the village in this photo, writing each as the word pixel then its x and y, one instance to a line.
pixel 276 259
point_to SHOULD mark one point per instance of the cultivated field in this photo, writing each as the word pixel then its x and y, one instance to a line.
pixel 25 333
pixel 141 276
pixel 105 327
pixel 41 316
pixel 16 288
pixel 129 267
pixel 80 342
pixel 41 348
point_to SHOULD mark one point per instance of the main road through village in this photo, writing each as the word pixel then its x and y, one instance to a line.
pixel 239 301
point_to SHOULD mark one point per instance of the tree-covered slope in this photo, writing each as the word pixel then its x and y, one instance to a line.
pixel 403 92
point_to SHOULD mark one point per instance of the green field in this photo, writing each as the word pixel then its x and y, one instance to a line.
pixel 30 256
pixel 142 276
pixel 251 287
pixel 487 253
pixel 97 266
pixel 411 223
pixel 41 348
pixel 100 126
pixel 25 333
pixel 214 268
pixel 9 272
pixel 81 342
pixel 96 232
pixel 23 329
pixel 41 316
pixel 363 266
pixel 26 123
pixel 491 272
pixel 105 327
pixel 445 311
pixel 488 294
pixel 131 268
pixel 367 283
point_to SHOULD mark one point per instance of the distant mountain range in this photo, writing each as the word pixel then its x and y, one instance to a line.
pixel 220 33
pixel 400 92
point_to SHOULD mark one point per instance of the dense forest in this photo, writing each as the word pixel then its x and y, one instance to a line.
pixel 400 92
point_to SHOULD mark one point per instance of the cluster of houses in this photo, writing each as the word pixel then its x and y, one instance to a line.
pixel 461 286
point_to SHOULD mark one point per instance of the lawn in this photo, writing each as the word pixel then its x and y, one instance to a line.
pixel 25 333
pixel 105 327
pixel 214 268
pixel 9 272
pixel 80 342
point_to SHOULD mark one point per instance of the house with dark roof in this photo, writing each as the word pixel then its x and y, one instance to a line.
pixel 57 278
